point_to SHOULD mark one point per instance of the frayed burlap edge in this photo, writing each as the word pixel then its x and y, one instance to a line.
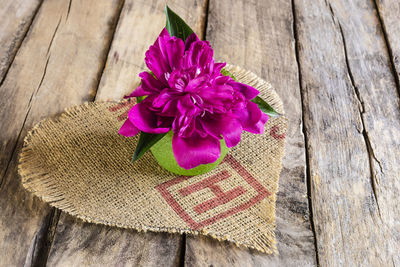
pixel 32 179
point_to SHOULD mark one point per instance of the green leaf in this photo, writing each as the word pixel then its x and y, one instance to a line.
pixel 140 98
pixel 265 107
pixel 146 141
pixel 228 73
pixel 176 26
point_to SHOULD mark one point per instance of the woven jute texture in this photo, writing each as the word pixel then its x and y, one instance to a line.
pixel 79 164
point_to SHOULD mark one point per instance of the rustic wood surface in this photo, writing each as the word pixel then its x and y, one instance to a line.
pixel 128 247
pixel 352 108
pixel 335 64
pixel 58 65
pixel 16 17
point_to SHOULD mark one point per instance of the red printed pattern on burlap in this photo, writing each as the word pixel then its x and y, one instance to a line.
pixel 274 133
pixel 220 197
pixel 123 105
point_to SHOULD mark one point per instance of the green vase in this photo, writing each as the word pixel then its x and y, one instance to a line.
pixel 163 153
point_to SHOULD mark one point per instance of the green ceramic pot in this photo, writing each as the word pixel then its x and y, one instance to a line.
pixel 163 153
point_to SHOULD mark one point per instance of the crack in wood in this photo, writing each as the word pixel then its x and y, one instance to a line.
pixel 101 72
pixel 206 11
pixel 45 242
pixel 34 93
pixel 108 47
pixel 69 9
pixel 343 239
pixel 388 46
pixel 40 84
pixel 55 212
pixel 29 257
pixel 19 43
pixel 52 38
pixel 41 243
pixel 304 130
pixel 40 239
pixel 370 151
pixel 182 251
pixel 2 180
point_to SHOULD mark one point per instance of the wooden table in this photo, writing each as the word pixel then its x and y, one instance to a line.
pixel 335 64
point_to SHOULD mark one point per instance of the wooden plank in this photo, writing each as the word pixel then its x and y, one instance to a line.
pixel 258 35
pixel 139 25
pixel 77 243
pixel 353 132
pixel 15 18
pixel 58 65
pixel 388 14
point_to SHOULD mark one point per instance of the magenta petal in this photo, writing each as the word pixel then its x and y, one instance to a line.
pixel 217 68
pixel 191 39
pixel 145 120
pixel 220 94
pixel 200 53
pixel 213 125
pixel 164 33
pixel 128 129
pixel 169 108
pixel 165 55
pixel 156 57
pixel 195 150
pixel 186 106
pixel 249 117
pixel 248 91
pixel 160 100
pixel 227 126
pixel 175 49
pixel 156 62
pixel 232 132
pixel 139 91
pixel 150 83
pixel 258 128
pixel 195 84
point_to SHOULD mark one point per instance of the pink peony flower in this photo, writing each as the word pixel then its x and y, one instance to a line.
pixel 189 95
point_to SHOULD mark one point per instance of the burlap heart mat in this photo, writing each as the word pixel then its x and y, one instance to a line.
pixel 79 164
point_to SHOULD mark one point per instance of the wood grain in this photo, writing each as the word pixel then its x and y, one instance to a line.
pixel 139 24
pixel 353 129
pixel 389 16
pixel 49 73
pixel 15 19
pixel 83 244
pixel 258 35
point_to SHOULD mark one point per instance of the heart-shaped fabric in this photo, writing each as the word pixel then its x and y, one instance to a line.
pixel 81 165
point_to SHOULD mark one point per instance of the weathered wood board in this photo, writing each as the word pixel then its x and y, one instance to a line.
pixel 49 73
pixel 389 16
pixel 77 243
pixel 352 129
pixel 15 19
